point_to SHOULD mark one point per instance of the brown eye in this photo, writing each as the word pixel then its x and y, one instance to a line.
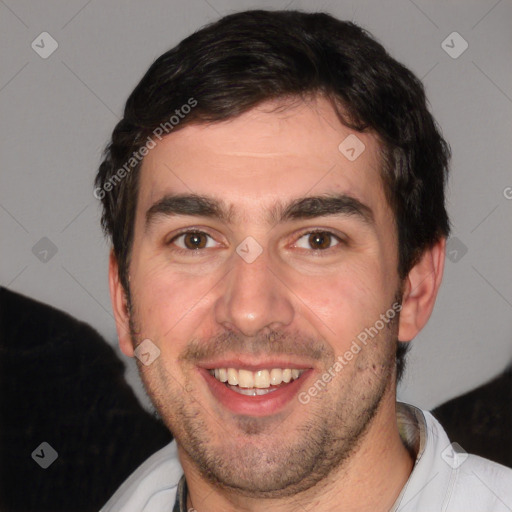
pixel 194 240
pixel 320 240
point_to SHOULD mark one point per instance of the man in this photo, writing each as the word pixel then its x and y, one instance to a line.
pixel 275 199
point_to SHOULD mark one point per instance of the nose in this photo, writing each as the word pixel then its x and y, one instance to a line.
pixel 253 299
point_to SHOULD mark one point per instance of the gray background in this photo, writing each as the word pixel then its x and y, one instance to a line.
pixel 57 114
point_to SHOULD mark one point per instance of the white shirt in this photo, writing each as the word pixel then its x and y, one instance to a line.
pixel 444 478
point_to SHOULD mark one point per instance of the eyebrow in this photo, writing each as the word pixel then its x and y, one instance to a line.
pixel 302 208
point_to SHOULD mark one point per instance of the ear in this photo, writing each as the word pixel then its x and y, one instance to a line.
pixel 119 306
pixel 420 291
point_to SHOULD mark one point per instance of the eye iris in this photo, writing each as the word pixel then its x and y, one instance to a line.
pixel 320 240
pixel 194 240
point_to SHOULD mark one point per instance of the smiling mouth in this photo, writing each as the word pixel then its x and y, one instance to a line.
pixel 256 383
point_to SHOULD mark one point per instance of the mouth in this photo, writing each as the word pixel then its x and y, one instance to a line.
pixel 255 392
pixel 258 383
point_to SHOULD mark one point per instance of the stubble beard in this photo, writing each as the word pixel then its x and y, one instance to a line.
pixel 264 457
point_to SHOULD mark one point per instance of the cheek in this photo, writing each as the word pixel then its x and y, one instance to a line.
pixel 343 303
pixel 170 305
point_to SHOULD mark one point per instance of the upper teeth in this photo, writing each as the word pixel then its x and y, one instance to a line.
pixel 259 379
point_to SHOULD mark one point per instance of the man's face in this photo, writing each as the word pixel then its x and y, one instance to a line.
pixel 294 295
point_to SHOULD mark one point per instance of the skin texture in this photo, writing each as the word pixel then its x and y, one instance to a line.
pixel 294 301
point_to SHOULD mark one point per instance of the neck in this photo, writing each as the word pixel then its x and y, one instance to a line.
pixel 369 480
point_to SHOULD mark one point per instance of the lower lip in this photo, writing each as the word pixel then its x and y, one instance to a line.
pixel 260 405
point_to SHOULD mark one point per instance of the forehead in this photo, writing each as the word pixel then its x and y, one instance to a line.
pixel 270 154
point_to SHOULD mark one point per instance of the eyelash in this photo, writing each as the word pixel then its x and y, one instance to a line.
pixel 323 232
pixel 187 231
pixel 303 234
